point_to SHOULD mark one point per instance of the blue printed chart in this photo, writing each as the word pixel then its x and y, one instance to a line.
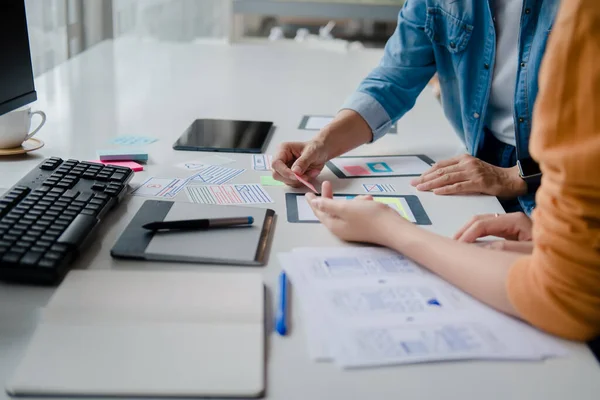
pixel 380 166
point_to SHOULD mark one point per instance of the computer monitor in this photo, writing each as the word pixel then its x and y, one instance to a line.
pixel 16 74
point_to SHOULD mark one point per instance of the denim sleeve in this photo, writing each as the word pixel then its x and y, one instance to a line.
pixel 408 63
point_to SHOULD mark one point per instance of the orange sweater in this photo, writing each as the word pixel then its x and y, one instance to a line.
pixel 557 288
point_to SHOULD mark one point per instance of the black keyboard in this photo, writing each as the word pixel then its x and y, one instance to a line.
pixel 46 217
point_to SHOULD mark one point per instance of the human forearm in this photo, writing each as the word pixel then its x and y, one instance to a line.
pixel 347 131
pixel 480 272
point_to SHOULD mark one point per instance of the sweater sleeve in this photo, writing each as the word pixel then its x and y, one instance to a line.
pixel 557 288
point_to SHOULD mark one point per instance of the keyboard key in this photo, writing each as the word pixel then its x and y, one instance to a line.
pixel 19 249
pixel 117 176
pixel 101 196
pixel 44 243
pixel 99 202
pixel 48 263
pixel 39 207
pixel 48 238
pixel 91 164
pixel 88 212
pixel 9 238
pixel 46 217
pixel 111 192
pixel 28 238
pixel 64 185
pixel 70 213
pixel 48 166
pixel 61 203
pixel 85 197
pixel 31 258
pixel 52 213
pixel 70 194
pixel 53 232
pixel 102 177
pixel 88 175
pixel 60 224
pixel 77 203
pixel 78 230
pixel 11 257
pixel 98 186
pixel 61 248
pixel 57 190
pixel 9 220
pixel 93 207
pixel 26 221
pixel 53 255
pixel 45 203
pixel 38 248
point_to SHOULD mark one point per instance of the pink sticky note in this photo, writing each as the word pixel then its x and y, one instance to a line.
pixel 356 170
pixel 129 164
pixel 306 183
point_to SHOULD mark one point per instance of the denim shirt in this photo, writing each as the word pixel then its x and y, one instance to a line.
pixel 458 41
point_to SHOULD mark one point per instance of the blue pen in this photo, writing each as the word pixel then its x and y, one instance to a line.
pixel 281 317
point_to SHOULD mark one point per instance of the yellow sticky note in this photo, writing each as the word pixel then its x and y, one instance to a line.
pixel 394 203
pixel 269 181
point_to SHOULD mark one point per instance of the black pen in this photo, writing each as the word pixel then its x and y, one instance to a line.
pixel 197 224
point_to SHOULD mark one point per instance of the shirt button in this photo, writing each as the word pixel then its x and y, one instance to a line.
pixel 521 119
pixel 528 11
pixel 522 65
pixel 452 45
pixel 476 115
pixel 486 66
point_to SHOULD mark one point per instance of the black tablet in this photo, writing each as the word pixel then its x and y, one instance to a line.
pixel 225 135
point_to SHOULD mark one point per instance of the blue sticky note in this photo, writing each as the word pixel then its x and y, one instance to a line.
pixel 122 155
pixel 133 140
pixel 379 167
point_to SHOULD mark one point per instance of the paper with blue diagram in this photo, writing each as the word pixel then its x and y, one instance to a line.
pixel 366 307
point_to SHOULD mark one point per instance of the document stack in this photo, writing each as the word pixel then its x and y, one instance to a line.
pixel 364 307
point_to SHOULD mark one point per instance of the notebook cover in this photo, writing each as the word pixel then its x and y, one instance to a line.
pixel 237 246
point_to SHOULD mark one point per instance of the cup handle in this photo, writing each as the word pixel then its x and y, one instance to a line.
pixel 41 114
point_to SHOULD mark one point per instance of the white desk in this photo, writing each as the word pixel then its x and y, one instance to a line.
pixel 157 89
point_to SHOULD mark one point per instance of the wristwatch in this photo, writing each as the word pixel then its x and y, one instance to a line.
pixel 530 172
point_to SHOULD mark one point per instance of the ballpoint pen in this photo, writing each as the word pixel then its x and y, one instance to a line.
pixel 281 317
pixel 196 224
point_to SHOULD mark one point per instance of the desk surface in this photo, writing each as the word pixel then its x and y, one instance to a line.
pixel 156 89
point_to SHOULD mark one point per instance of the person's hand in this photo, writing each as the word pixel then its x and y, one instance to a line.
pixel 466 174
pixel 513 226
pixel 356 220
pixel 307 159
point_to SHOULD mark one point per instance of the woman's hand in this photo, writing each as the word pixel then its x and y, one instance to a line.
pixel 513 226
pixel 357 220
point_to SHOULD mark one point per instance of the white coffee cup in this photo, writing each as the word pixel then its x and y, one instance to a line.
pixel 15 125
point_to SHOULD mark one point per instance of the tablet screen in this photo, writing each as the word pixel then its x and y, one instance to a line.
pixel 225 135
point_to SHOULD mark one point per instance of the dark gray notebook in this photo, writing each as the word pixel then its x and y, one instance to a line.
pixel 237 245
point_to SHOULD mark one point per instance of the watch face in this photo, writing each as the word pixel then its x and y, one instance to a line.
pixel 529 167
